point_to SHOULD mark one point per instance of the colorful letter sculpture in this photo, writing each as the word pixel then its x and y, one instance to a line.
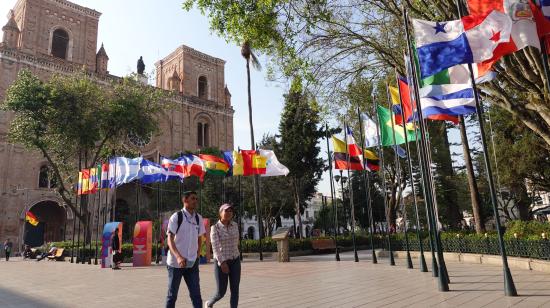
pixel 108 233
pixel 143 236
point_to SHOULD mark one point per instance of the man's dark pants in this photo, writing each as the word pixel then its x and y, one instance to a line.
pixel 191 277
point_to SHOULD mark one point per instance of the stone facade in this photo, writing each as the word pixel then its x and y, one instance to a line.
pixel 57 36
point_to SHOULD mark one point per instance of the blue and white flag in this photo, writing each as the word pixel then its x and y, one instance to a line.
pixel 472 39
pixel 151 172
pixel 371 132
pixel 123 170
pixel 448 99
pixel 399 151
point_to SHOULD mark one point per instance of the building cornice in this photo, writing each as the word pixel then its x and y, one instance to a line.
pixel 186 49
pixel 77 8
pixel 56 65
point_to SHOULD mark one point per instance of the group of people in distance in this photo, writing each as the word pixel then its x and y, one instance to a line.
pixel 28 253
pixel 185 229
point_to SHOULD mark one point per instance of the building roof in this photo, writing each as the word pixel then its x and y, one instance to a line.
pixel 101 52
pixel 11 24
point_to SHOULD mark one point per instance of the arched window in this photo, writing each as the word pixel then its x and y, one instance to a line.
pixel 60 42
pixel 44 178
pixel 203 134
pixel 203 87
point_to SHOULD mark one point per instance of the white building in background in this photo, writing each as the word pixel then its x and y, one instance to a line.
pixel 250 225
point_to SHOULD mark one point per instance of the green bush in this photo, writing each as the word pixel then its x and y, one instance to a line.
pixel 526 229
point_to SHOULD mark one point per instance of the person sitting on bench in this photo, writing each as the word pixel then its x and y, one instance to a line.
pixel 52 252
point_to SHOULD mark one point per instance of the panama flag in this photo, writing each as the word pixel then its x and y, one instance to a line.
pixel 471 39
pixel 448 99
pixel 521 15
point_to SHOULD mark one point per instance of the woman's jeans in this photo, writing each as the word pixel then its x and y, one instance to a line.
pixel 234 278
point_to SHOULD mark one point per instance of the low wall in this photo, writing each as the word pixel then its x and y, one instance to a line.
pixel 513 262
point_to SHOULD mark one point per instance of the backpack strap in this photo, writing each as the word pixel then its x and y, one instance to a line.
pixel 180 220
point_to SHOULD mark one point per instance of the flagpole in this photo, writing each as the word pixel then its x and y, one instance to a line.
pixel 98 207
pixel 423 266
pixel 544 54
pixel 158 215
pixel 334 208
pixel 366 182
pixel 383 178
pixel 91 225
pixel 78 193
pixel 443 284
pixel 86 212
pixel 399 200
pixel 113 208
pixel 509 287
pixel 351 203
pixel 240 218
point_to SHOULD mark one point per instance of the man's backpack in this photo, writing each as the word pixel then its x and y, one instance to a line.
pixel 180 220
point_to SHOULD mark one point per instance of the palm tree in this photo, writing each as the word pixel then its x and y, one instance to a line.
pixel 248 55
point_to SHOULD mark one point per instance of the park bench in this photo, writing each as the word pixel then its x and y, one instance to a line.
pixel 58 255
pixel 323 244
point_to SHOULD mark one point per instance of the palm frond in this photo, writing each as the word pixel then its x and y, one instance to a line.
pixel 255 62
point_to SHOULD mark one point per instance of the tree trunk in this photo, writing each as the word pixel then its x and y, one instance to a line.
pixel 472 183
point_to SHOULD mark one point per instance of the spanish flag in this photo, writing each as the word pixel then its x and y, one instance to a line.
pixel 214 164
pixel 253 162
pixel 30 218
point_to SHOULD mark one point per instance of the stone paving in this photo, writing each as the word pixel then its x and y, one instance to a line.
pixel 310 281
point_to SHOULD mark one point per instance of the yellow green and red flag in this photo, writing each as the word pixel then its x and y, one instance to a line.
pixel 30 218
pixel 214 164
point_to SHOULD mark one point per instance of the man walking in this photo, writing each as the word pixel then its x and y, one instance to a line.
pixel 8 246
pixel 185 228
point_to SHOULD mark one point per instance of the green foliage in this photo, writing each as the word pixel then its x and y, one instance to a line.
pixel 527 229
pixel 72 116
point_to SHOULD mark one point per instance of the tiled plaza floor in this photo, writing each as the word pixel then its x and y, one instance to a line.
pixel 313 281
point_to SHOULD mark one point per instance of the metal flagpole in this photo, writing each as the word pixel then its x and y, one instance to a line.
pixel 366 182
pixel 78 192
pixel 423 266
pixel 399 200
pixel 383 177
pixel 98 207
pixel 86 202
pixel 351 203
pixel 157 254
pixel 442 279
pixel 240 200
pixel 334 207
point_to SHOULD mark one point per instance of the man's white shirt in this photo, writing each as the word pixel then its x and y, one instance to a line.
pixel 186 238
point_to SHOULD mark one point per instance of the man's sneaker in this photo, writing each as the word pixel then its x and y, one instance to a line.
pixel 207 305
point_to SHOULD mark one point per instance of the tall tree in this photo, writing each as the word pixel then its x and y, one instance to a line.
pixel 68 115
pixel 300 133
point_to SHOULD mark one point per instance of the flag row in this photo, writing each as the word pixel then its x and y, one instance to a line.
pixel 122 170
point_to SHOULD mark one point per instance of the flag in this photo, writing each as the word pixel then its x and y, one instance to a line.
pixel 104 176
pixel 123 170
pixel 253 162
pixel 541 12
pixel 341 156
pixel 184 166
pixel 83 182
pixel 238 163
pixel 30 218
pixel 449 99
pixel 214 164
pixel 273 166
pixel 471 39
pixel 151 172
pixel 399 151
pixel 438 117
pixel 94 181
pixel 524 28
pixel 460 74
pixel 371 132
pixel 353 148
pixel 228 157
pixel 386 129
pixel 373 162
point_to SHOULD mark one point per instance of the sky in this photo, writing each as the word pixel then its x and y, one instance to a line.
pixel 130 29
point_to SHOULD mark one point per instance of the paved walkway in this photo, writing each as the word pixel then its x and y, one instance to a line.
pixel 312 281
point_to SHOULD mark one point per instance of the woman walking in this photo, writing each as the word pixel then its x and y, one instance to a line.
pixel 227 265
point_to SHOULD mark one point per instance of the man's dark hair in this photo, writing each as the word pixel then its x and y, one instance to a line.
pixel 189 193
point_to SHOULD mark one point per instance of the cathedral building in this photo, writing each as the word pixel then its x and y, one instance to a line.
pixel 58 36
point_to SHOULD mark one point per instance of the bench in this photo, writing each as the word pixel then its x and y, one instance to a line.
pixel 58 255
pixel 323 244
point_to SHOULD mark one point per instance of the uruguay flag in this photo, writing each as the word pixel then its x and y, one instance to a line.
pixel 471 39
pixel 151 172
pixel 447 99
